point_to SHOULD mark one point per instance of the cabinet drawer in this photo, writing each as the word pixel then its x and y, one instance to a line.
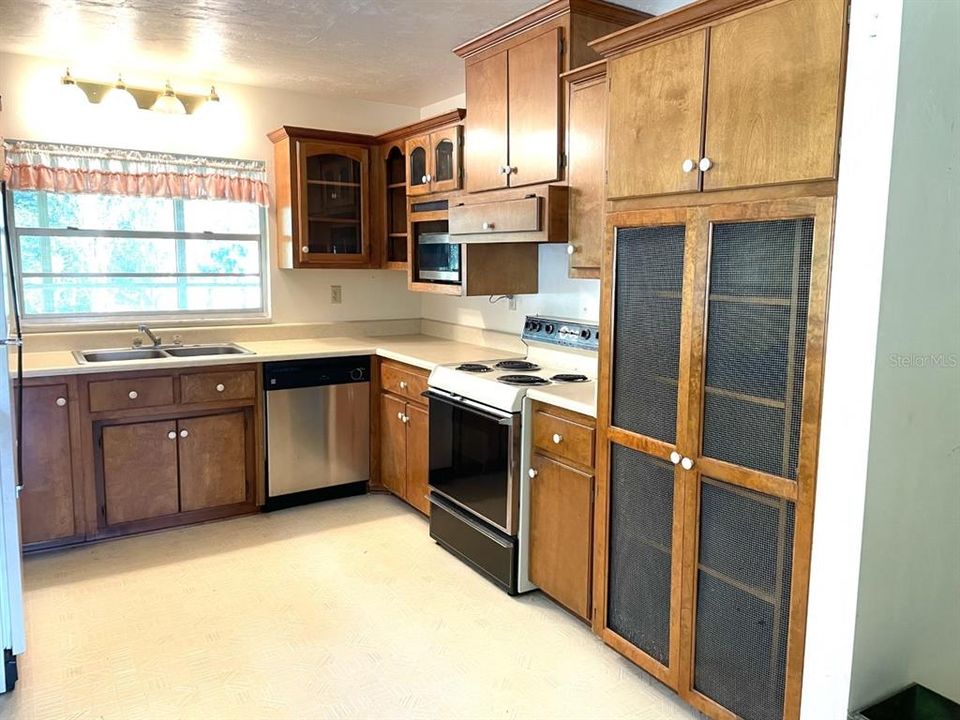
pixel 403 380
pixel 126 394
pixel 213 386
pixel 563 437
pixel 505 216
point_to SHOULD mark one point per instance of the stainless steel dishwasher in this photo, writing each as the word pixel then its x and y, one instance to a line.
pixel 318 429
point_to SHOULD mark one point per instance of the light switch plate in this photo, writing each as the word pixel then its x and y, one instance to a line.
pixel 336 294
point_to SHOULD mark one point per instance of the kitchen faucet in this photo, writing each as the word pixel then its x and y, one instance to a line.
pixel 142 328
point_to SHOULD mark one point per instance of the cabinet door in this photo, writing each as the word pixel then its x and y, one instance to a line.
pixel 561 533
pixel 213 461
pixel 47 510
pixel 485 144
pixel 418 457
pixel 393 444
pixel 752 503
pixel 418 165
pixel 585 174
pixel 644 419
pixel 773 95
pixel 333 200
pixel 445 145
pixel 534 110
pixel 140 471
pixel 655 116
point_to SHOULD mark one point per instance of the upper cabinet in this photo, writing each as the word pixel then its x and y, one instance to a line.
pixel 434 161
pixel 323 199
pixel 514 129
pixel 702 99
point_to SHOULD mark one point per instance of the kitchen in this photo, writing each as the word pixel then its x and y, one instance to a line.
pixel 352 387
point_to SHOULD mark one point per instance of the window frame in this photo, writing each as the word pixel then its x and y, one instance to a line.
pixel 93 320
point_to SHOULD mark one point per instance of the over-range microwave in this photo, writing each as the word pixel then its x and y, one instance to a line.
pixel 438 258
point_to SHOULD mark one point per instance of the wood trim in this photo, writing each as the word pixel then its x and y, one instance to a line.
pixel 637 656
pixel 422 127
pixel 746 478
pixel 809 449
pixel 336 136
pixel 640 443
pixel 824 188
pixel 545 13
pixel 594 70
pixel 688 17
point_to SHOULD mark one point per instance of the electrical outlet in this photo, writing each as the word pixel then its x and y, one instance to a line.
pixel 336 294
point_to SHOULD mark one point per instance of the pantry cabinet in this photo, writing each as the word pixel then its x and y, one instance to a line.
pixel 51 501
pixel 708 421
pixel 730 100
pixel 561 507
pixel 514 133
pixel 404 434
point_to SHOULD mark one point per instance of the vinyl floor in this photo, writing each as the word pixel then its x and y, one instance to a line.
pixel 344 609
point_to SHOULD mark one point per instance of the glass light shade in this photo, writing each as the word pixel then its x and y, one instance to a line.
pixel 118 99
pixel 210 107
pixel 168 103
pixel 71 94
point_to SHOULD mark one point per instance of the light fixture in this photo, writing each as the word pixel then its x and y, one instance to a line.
pixel 119 99
pixel 168 102
pixel 72 93
pixel 210 106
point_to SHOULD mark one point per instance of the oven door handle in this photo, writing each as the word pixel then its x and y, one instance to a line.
pixel 476 408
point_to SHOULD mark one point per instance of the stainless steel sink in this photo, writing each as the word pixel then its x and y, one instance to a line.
pixel 168 352
pixel 195 350
pixel 94 356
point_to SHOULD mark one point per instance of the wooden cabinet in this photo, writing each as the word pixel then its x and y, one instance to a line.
pixel 708 421
pixel 514 129
pixel 434 161
pixel 140 477
pixel 404 434
pixel 394 232
pixel 213 461
pixel 731 100
pixel 561 507
pixel 323 198
pixel 51 501
pixel 586 164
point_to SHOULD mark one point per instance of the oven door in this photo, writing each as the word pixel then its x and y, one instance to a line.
pixel 475 458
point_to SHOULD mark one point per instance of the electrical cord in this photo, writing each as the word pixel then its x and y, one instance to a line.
pixel 18 331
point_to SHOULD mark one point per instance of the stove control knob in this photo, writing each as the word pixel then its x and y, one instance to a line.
pixel 548 329
pixel 585 333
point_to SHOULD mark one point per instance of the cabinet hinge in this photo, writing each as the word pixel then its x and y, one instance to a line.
pixel 561 46
pixel 563 159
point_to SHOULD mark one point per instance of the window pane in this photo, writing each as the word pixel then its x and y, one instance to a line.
pixel 221 216
pixel 101 296
pixel 26 212
pixel 107 212
pixel 97 255
pixel 221 257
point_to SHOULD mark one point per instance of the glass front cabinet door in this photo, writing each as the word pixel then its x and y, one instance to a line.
pixel 333 205
pixel 434 162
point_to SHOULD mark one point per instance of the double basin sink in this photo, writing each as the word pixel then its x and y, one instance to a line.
pixel 158 353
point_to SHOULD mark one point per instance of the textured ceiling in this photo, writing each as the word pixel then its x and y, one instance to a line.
pixel 395 51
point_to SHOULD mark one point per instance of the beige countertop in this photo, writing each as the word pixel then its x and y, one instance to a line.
pixel 576 397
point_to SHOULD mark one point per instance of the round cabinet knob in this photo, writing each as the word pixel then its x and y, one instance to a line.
pixel 429 178
pixel 400 416
pixel 705 164
pixel 423 179
pixel 184 433
pixel 403 385
pixel 133 394
pixel 405 418
pixel 172 435
pixel 61 401
pixel 675 457
pixel 305 250
pixel 488 226
pixel 221 387
pixel 686 463
pixel 503 170
pixel 557 438
pixel 512 170
pixel 571 248
pixel 532 473
pixel 688 165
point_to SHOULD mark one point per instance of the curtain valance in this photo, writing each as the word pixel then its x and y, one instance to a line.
pixel 109 171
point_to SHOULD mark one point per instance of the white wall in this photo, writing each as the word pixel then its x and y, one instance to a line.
pixel 908 612
pixel 31 112
pixel 851 341
pixel 442 106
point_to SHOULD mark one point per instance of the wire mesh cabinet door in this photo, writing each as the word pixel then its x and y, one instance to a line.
pixel 749 510
pixel 647 302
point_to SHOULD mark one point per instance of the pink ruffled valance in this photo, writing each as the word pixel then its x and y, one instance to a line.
pixel 108 171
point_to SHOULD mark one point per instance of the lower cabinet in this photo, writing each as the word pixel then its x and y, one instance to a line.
pixel 51 504
pixel 153 469
pixel 561 507
pixel 404 450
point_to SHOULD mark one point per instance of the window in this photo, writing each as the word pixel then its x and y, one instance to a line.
pixel 99 257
